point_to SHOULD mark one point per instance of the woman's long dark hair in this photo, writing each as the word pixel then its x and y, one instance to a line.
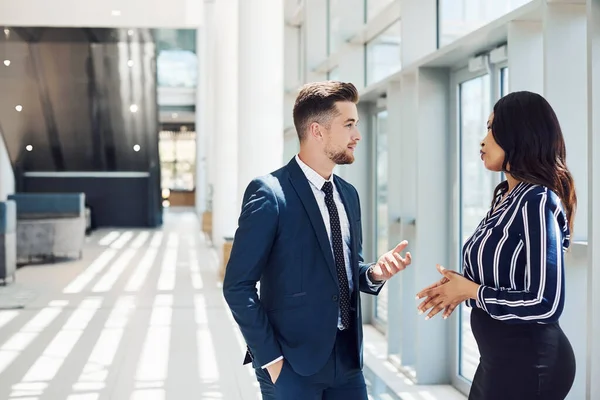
pixel 527 129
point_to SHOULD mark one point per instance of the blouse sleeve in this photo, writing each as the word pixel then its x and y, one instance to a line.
pixel 543 297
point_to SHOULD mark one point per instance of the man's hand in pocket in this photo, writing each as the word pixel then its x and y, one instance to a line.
pixel 274 370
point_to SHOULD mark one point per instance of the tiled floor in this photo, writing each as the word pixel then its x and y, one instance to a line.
pixel 140 317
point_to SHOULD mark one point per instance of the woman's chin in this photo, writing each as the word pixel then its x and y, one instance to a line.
pixel 491 167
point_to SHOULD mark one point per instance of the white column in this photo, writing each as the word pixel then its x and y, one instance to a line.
pixel 201 134
pixel 565 87
pixel 526 56
pixel 395 188
pixel 419 29
pixel 261 89
pixel 205 109
pixel 402 207
pixel 225 207
pixel 210 120
pixel 593 280
pixel 432 364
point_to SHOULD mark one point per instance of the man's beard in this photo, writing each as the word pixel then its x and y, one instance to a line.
pixel 340 157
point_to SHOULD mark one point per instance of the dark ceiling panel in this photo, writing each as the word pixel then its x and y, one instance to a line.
pixel 88 97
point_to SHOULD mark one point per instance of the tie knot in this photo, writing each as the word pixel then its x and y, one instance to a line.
pixel 327 188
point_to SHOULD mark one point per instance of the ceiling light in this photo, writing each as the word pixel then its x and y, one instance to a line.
pixel 174 115
pixel 7 62
pixel 130 32
pixel 19 108
pixel 136 147
pixel 29 147
pixel 130 63
pixel 133 108
pixel 116 13
pixel 166 203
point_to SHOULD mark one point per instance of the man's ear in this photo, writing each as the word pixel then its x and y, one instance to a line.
pixel 316 130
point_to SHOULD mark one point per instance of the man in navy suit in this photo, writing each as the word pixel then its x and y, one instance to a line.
pixel 300 235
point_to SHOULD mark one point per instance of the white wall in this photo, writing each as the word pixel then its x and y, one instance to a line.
pixel 7 178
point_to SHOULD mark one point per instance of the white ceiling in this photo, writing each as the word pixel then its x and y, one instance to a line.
pixel 102 13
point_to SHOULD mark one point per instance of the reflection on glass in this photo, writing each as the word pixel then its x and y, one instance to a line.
pixel 381 312
pixel 176 62
pixel 457 18
pixel 177 152
pixel 477 185
pixel 383 54
pixel 374 7
pixel 177 68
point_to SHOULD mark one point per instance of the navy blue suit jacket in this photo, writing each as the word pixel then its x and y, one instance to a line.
pixel 282 242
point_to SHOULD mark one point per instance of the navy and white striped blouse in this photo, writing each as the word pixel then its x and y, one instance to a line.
pixel 516 254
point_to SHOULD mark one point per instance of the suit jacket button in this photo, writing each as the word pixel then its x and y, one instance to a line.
pixel 334 297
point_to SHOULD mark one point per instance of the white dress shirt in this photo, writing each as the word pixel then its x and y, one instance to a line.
pixel 316 183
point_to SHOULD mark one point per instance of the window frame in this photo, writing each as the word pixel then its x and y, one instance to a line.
pixel 458 77
pixel 379 324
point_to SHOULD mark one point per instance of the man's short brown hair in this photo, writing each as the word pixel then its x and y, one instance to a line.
pixel 316 103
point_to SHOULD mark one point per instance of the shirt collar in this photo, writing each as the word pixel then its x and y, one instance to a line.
pixel 313 177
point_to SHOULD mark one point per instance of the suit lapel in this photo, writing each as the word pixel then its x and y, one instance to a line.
pixel 302 188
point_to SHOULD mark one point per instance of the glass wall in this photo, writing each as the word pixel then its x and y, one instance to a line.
pixel 477 185
pixel 177 152
pixel 458 18
pixel 381 217
pixel 177 64
pixel 383 54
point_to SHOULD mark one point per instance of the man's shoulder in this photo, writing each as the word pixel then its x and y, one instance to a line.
pixel 344 184
pixel 272 181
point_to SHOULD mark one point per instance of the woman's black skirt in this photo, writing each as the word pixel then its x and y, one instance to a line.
pixel 527 361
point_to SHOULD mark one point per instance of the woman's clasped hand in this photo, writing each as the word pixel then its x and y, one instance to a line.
pixel 446 294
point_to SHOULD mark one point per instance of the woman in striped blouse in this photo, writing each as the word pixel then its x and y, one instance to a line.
pixel 513 264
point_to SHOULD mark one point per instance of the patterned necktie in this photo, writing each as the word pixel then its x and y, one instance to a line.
pixel 338 251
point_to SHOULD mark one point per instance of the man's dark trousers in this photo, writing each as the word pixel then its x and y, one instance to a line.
pixel 340 378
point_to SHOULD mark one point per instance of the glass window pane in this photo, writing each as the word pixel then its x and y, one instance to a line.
pixel 374 7
pixel 457 18
pixel 176 63
pixel 477 185
pixel 177 68
pixel 383 54
pixel 381 312
pixel 177 152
